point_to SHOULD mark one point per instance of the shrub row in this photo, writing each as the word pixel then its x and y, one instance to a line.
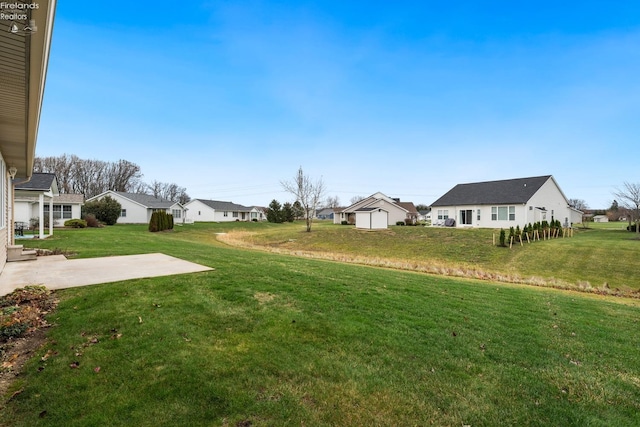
pixel 545 227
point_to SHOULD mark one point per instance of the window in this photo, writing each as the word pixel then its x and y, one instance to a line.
pixel 478 214
pixel 177 213
pixel 225 214
pixel 235 214
pixel 123 213
pixel 59 211
pixel 443 213
pixel 503 213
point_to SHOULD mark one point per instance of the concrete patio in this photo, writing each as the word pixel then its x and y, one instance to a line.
pixel 58 272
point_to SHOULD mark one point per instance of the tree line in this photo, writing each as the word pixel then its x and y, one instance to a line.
pixel 92 177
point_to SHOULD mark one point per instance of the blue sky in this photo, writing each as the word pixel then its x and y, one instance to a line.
pixel 229 98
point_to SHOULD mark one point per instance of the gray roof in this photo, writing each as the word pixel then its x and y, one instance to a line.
pixel 224 206
pixel 514 191
pixel 147 200
pixel 38 182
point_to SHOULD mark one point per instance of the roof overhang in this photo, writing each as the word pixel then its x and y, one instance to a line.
pixel 24 57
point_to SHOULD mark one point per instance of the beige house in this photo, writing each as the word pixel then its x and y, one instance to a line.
pixel 24 57
pixel 377 211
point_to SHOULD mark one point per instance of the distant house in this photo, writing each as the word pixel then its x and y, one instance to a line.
pixel 34 202
pixel 63 207
pixel 137 208
pixel 600 218
pixel 325 213
pixel 503 204
pixel 377 211
pixel 424 215
pixel 201 210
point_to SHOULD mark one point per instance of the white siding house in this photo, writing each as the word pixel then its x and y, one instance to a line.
pixel 137 208
pixel 201 210
pixel 504 204
pixel 39 198
pixel 600 218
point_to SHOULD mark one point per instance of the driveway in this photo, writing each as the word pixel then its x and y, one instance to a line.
pixel 58 272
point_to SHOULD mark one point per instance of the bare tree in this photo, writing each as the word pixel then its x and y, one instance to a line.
pixel 93 177
pixel 332 202
pixel 123 175
pixel 89 177
pixel 629 198
pixel 307 192
pixel 579 204
pixel 356 199
pixel 168 191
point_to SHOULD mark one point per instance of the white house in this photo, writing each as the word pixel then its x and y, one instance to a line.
pixel 39 198
pixel 137 208
pixel 504 204
pixel 201 210
pixel 33 200
pixel 24 57
pixel 600 218
pixel 326 213
pixel 376 211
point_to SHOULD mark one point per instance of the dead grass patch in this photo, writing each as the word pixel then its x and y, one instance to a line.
pixel 246 240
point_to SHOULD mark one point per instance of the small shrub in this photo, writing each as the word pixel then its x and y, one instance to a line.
pixel 13 329
pixel 254 220
pixel 75 223
pixel 631 227
pixel 399 222
pixel 344 222
pixel 34 223
pixel 92 221
pixel 503 237
pixel 106 209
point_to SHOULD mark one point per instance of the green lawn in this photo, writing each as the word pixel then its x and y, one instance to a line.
pixel 603 254
pixel 270 339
